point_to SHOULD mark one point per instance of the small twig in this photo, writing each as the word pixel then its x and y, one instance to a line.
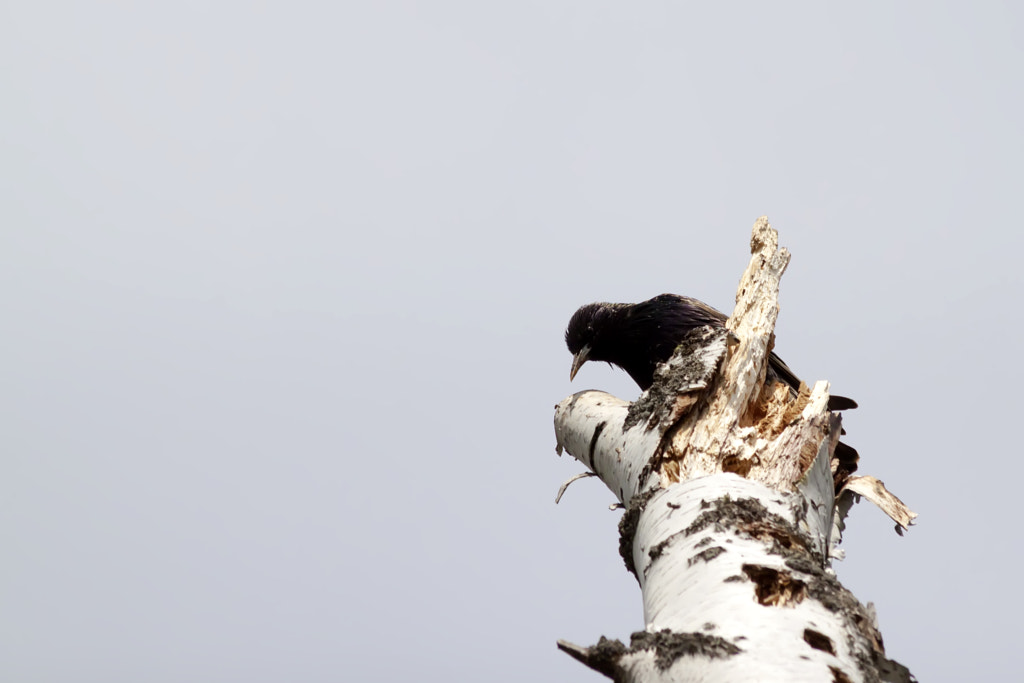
pixel 581 475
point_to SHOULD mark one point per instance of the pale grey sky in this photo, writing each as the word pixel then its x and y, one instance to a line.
pixel 284 288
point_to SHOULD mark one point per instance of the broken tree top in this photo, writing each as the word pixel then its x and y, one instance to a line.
pixel 735 484
pixel 643 338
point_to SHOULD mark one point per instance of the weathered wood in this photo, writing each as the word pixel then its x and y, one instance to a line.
pixel 731 516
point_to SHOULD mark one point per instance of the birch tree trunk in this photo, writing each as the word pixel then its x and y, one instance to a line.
pixel 732 517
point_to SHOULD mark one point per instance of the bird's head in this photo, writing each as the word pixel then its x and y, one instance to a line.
pixel 585 335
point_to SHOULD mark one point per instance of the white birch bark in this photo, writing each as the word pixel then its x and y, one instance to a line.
pixel 731 519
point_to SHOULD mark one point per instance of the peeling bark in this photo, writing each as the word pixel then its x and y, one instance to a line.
pixel 731 516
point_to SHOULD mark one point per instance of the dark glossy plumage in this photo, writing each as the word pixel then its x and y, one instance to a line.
pixel 637 337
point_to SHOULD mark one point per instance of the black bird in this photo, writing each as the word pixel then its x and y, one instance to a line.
pixel 638 337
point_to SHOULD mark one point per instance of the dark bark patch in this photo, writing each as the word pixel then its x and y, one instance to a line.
pixel 706 541
pixel 658 549
pixel 782 537
pixel 774 587
pixel 819 641
pixel 826 590
pixel 838 676
pixel 726 513
pixel 593 444
pixel 705 555
pixel 669 646
pixel 751 517
pixel 627 528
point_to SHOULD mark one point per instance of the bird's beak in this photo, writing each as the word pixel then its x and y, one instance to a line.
pixel 578 360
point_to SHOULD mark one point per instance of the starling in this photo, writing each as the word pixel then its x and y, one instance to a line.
pixel 638 337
